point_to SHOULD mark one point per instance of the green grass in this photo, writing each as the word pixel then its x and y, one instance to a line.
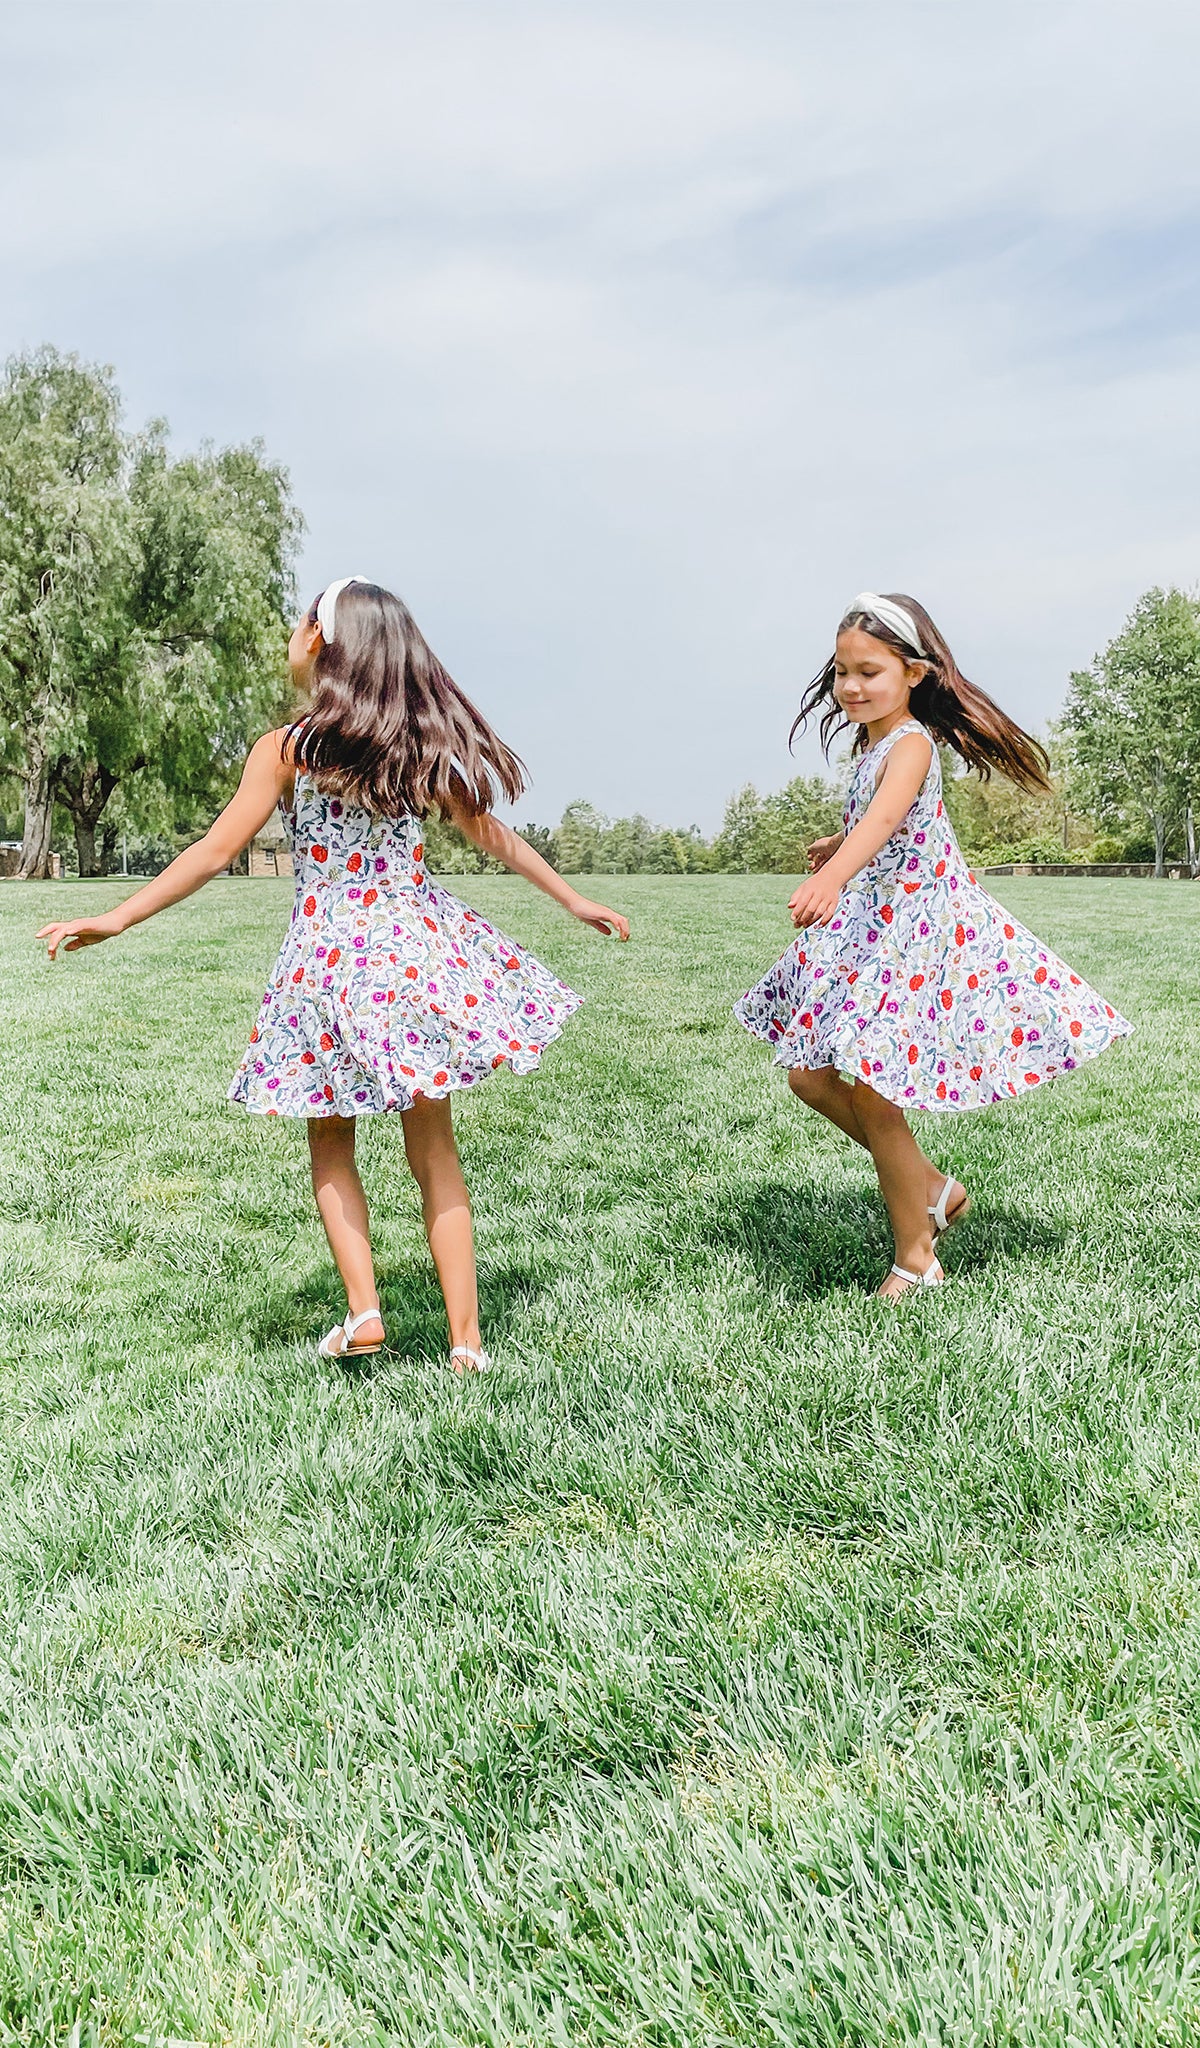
pixel 742 1662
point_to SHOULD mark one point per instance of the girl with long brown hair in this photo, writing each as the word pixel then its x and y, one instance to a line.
pixel 909 986
pixel 388 994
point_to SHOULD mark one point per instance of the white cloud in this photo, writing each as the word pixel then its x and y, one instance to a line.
pixel 627 341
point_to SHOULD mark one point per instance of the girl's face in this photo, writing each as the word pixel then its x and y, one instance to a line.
pixel 872 682
pixel 303 649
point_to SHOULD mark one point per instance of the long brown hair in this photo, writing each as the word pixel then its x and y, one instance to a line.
pixel 388 728
pixel 956 712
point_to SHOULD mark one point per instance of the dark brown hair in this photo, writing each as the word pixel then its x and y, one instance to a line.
pixel 954 711
pixel 388 728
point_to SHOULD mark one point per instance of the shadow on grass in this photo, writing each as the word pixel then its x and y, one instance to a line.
pixel 805 1245
pixel 413 1311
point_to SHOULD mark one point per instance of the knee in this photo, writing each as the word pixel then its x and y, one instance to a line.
pixel 807 1083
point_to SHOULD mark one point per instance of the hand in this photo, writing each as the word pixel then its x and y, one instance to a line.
pixel 822 850
pixel 815 902
pixel 79 931
pixel 610 922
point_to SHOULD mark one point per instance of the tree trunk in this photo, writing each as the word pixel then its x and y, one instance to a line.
pixel 39 817
pixel 108 845
pixel 1189 820
pixel 85 845
pixel 84 789
pixel 1160 841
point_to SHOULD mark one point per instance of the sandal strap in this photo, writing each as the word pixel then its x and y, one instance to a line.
pixel 938 1209
pixel 479 1359
pixel 353 1324
pixel 931 1277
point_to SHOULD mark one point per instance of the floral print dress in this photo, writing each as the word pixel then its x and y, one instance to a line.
pixel 387 988
pixel 922 985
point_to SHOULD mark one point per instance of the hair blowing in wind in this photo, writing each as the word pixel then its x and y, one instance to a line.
pixel 956 712
pixel 388 728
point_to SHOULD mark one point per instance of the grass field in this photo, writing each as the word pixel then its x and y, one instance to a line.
pixel 742 1662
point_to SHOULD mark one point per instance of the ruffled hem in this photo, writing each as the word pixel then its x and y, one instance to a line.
pixel 849 1050
pixel 348 1086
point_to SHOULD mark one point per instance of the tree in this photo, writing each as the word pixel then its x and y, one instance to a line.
pixel 66 553
pixel 141 600
pixel 1133 721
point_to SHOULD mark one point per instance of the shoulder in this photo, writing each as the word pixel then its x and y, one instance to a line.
pixel 274 755
pixel 912 750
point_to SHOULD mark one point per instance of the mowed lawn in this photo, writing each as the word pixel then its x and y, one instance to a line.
pixel 742 1662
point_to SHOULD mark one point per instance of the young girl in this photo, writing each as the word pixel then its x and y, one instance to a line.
pixel 908 977
pixel 388 993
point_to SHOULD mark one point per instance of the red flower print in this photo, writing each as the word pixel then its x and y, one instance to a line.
pixel 1040 976
pixel 514 962
pixel 326 1042
pixel 912 1055
pixel 941 1091
pixel 972 981
pixel 886 912
pixel 1018 1036
pixel 370 896
pixel 514 1045
pixel 298 975
pixel 432 923
pixel 310 904
pixel 417 881
pixel 498 1061
pixel 947 999
pixel 866 1066
pixel 960 937
pixel 910 888
pixel 328 1092
pixel 916 981
pixel 418 852
pixel 319 853
pixel 1010 931
pixel 410 973
pixel 335 954
pixel 806 1020
pixel 803 958
pixel 440 1078
pixel 1075 981
pixel 354 863
pixel 410 1071
pixel 940 869
pixel 254 1036
pixel 1076 1028
pixel 1109 1011
pixel 470 1001
pixel 977 1073
pixel 1031 1080
pixel 308 1059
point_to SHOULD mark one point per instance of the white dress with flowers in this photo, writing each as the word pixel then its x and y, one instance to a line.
pixel 922 985
pixel 387 988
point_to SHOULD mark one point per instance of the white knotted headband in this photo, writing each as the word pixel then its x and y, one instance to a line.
pixel 327 607
pixel 901 622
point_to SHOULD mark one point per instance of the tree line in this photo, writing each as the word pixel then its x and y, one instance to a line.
pixel 144 601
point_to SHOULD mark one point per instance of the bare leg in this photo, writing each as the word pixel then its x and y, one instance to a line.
pixel 824 1090
pixel 343 1208
pixel 433 1158
pixel 901 1166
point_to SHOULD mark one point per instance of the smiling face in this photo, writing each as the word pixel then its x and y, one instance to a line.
pixel 872 682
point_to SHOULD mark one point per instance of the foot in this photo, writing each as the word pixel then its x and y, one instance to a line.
pixel 948 1202
pixel 470 1358
pixel 902 1279
pixel 357 1337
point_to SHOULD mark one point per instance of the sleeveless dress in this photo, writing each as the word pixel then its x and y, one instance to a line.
pixel 922 985
pixel 386 987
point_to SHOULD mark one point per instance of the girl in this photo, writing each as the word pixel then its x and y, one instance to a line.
pixel 389 993
pixel 908 976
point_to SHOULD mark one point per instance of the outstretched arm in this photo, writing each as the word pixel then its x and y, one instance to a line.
pixel 903 773
pixel 265 778
pixel 507 846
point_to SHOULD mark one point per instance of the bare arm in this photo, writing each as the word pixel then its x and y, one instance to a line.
pixel 266 777
pixel 903 773
pixel 503 844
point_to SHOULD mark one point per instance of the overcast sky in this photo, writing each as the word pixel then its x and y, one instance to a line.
pixel 627 342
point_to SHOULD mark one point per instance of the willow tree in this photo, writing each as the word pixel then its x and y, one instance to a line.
pixel 141 602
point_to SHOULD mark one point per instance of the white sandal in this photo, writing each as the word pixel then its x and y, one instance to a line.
pixel 933 1276
pixel 942 1222
pixel 346 1331
pixel 478 1361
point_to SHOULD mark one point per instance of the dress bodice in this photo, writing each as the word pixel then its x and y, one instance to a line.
pixel 924 837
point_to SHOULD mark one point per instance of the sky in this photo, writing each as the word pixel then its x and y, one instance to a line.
pixel 629 341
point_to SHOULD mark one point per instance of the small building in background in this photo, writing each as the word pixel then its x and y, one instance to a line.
pixel 270 851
